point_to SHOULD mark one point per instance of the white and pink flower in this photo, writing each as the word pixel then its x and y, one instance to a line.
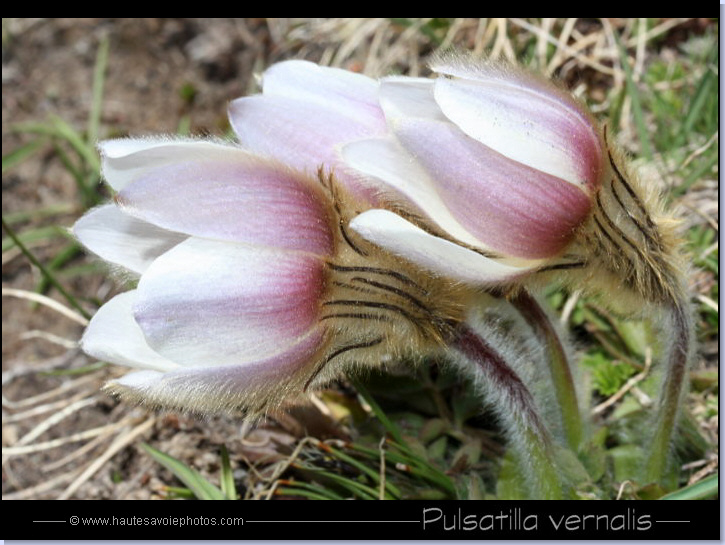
pixel 498 161
pixel 231 251
pixel 496 168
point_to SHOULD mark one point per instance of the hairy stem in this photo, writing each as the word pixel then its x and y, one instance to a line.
pixel 677 357
pixel 558 364
pixel 515 406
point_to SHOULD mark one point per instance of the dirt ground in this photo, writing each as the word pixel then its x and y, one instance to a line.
pixel 162 74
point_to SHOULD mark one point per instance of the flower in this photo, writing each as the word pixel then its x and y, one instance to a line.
pixel 250 289
pixel 496 169
pixel 484 174
pixel 231 254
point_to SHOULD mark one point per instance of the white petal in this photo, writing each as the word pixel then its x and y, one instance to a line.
pixel 122 239
pixel 440 256
pixel 386 161
pixel 350 94
pixel 114 336
pixel 126 159
pixel 269 381
pixel 409 97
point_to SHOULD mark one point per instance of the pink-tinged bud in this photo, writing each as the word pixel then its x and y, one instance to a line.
pixel 493 158
pixel 231 250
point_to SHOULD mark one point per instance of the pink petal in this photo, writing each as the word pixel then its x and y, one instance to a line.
pixel 304 135
pixel 506 205
pixel 238 198
pixel 523 117
pixel 211 303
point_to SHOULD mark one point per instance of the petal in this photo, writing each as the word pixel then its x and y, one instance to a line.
pixel 349 94
pixel 253 384
pixel 122 239
pixel 409 97
pixel 126 159
pixel 212 303
pixel 301 134
pixel 505 205
pixel 114 336
pixel 238 197
pixel 440 256
pixel 307 112
pixel 389 165
pixel 522 117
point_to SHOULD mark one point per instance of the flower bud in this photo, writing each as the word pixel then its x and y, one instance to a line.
pixel 231 252
pixel 498 161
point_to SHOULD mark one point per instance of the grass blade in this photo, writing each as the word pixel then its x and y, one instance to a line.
pixel 706 488
pixel 18 155
pixel 384 420
pixel 229 489
pixel 308 490
pixel 44 271
pixel 201 488
pixel 633 93
pixel 99 74
pixel 390 488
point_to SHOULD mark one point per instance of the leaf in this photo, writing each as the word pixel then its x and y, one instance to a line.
pixel 607 376
pixel 510 483
pixel 627 461
pixel 201 488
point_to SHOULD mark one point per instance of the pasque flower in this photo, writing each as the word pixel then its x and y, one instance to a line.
pixel 517 173
pixel 250 289
pixel 230 251
pixel 498 161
